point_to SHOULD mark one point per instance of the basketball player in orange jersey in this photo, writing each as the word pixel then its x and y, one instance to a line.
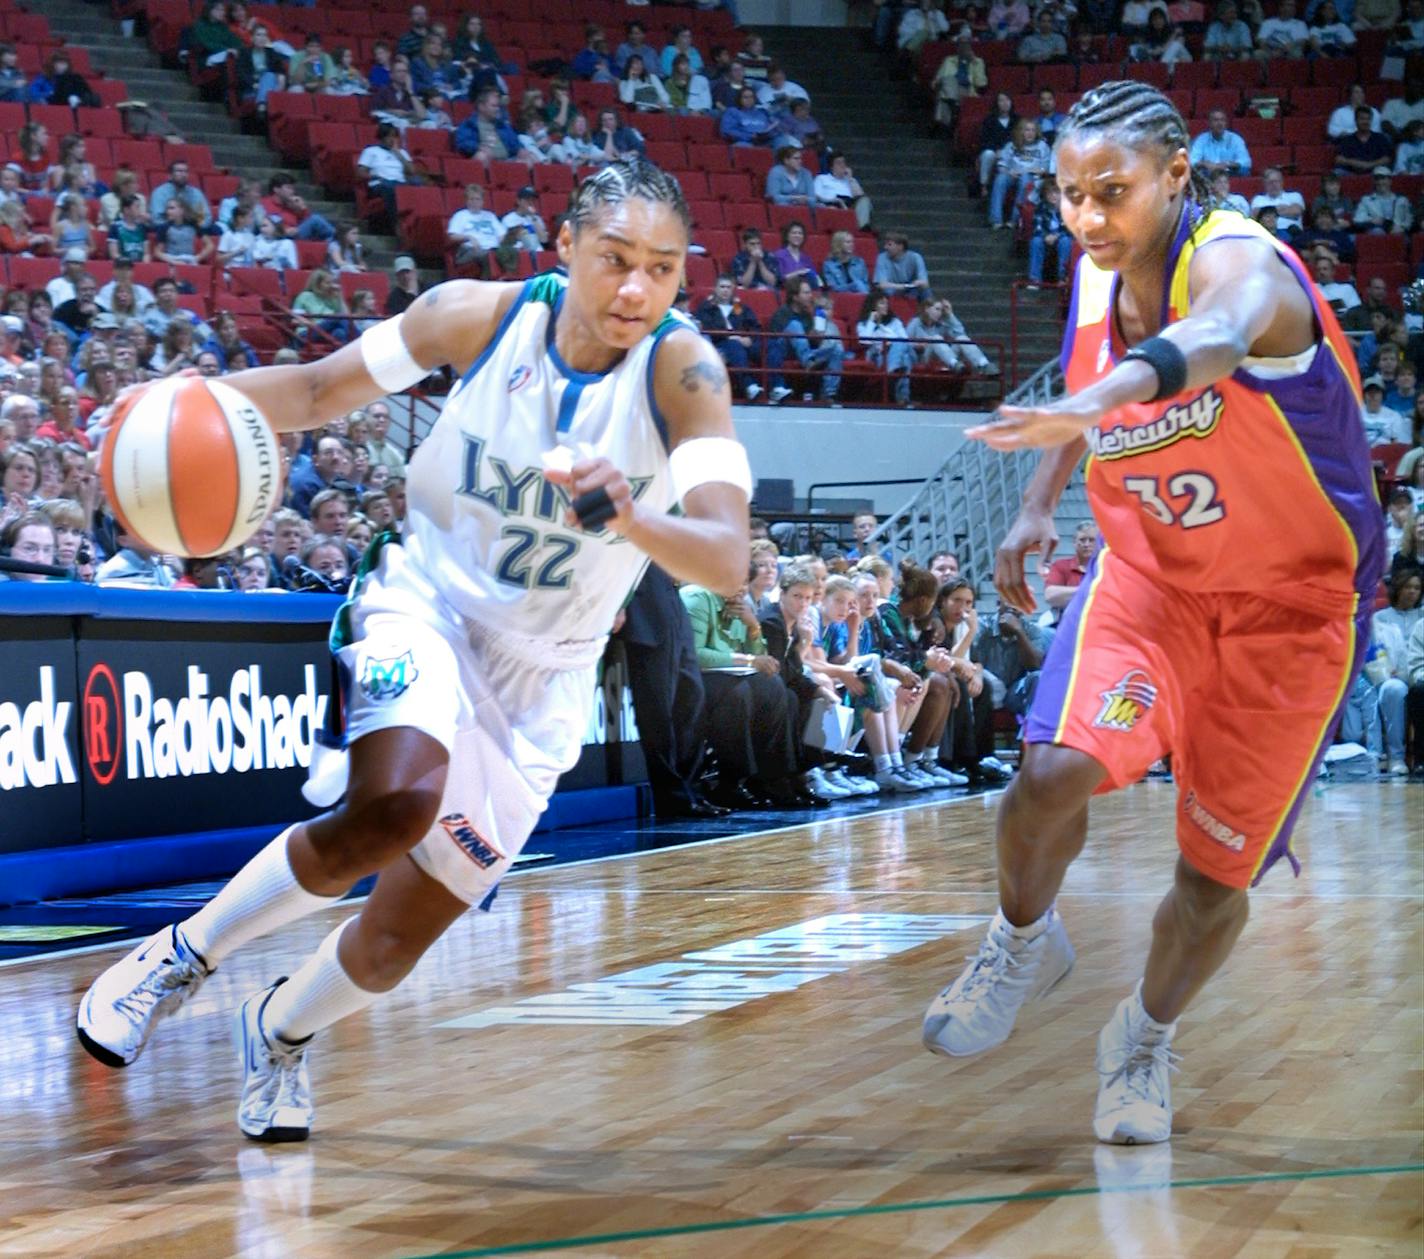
pixel 1219 404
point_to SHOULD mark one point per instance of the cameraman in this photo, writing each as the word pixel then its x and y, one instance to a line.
pixel 1011 648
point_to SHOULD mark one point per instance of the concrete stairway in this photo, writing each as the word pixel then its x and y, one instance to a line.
pixel 870 111
pixel 198 121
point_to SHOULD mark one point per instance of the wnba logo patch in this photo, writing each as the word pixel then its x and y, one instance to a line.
pixel 1126 703
pixel 387 679
pixel 1213 827
pixel 483 853
pixel 519 377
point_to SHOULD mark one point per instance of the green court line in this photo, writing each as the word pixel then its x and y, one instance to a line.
pixel 896 1208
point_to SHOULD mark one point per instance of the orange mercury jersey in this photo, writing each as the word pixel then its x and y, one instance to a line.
pixel 1260 482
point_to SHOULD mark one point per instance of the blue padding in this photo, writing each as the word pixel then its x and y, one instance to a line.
pixel 74 599
pixel 91 869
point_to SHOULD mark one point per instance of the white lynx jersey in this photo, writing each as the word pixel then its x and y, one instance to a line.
pixel 482 523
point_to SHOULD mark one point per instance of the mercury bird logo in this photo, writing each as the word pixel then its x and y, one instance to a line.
pixel 1125 704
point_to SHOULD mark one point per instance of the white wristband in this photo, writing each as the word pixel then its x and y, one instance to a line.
pixel 387 360
pixel 701 460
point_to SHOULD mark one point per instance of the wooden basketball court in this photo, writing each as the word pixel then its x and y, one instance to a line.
pixel 756 1087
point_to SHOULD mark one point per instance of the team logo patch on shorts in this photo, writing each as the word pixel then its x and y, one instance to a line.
pixel 519 377
pixel 387 679
pixel 1125 704
pixel 483 853
pixel 1211 826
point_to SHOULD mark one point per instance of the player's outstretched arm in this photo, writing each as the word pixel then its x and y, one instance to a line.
pixel 450 324
pixel 1244 301
pixel 708 545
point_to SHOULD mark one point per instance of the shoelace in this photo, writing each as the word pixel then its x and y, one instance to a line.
pixel 172 979
pixel 1136 1063
pixel 989 964
pixel 283 1086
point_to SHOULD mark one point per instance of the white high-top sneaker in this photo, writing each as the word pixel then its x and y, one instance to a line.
pixel 1135 1062
pixel 820 782
pixel 977 1011
pixel 119 1011
pixel 276 1100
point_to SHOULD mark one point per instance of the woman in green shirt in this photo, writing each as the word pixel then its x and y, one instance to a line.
pixel 319 308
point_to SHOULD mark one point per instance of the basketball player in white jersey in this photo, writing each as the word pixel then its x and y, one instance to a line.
pixel 586 409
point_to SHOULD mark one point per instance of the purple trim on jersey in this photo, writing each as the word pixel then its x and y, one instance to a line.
pixel 1281 847
pixel 1050 697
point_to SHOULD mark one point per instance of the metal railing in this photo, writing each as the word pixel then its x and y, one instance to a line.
pixel 968 504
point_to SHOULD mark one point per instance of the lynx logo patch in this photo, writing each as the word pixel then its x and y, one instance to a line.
pixel 479 850
pixel 387 679
pixel 1125 704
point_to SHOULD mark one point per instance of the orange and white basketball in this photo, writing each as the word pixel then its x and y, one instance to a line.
pixel 191 466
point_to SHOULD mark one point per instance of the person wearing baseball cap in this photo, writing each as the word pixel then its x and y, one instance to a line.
pixel 12 332
pixel 1382 210
pixel 405 288
pixel 1382 423
pixel 61 288
pixel 525 219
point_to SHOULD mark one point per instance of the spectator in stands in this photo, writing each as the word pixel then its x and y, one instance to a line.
pixel 129 236
pixel 1282 35
pixel 329 464
pixel 995 132
pixel 176 237
pixel 14 83
pixel 746 122
pixel 919 24
pixel 1289 206
pixel 1043 44
pixel 121 295
pixel 312 69
pixel 885 342
pixel 177 351
pixel 1360 152
pixel 414 38
pixel 405 285
pixel 727 323
pixel 486 134
pixel 1050 237
pixel 1401 111
pixel 165 310
pixel 11 188
pixel 474 232
pixel 1225 198
pixel 577 147
pixel 962 74
pixel 1329 36
pixel 753 58
pixel 432 70
pixel 945 339
pixel 385 166
pixel 1409 156
pixel 1403 394
pixel 79 311
pixel 20 474
pixel 640 90
pixel 272 250
pixel 791 259
pixel 1160 41
pixel 70 228
pixel 789 182
pixel 16 234
pixel 1375 301
pixel 382 449
pixel 1382 424
pixel 778 93
pixel 1383 210
pixel 31 154
pixel 62 287
pixel 1007 19
pixel 1049 117
pixel 688 90
pixel 683 46
pixel 290 212
pixel 752 267
pixel 395 101
pixel 799 129
pixel 1340 294
pixel 1328 234
pixel 900 270
pixel 260 69
pixel 347 79
pixel 1342 119
pixel 211 38
pixel 178 188
pixel 319 307
pixel 125 184
pixel 346 252
pixel 29 537
pixel 838 187
pixel 530 231
pixel 1218 149
pixel 1063 577
pixel 593 63
pixel 844 271
pixel 63 423
pixel 237 242
pixel 727 90
pixel 1020 164
pixel 226 342
pixel 1228 38
pixel 72 170
pixel 635 44
pixel 614 138
pixel 816 349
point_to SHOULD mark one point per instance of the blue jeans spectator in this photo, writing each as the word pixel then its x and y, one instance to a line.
pixel 897 358
pixel 738 359
pixel 1003 182
pixel 1360 722
pixel 315 227
pixel 1393 696
pixel 1038 248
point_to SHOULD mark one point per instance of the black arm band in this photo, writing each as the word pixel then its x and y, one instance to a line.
pixel 1164 358
pixel 594 508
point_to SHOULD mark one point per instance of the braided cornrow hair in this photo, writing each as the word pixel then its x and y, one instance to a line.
pixel 618 181
pixel 1141 116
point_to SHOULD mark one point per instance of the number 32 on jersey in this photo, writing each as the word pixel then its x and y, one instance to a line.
pixel 1188 499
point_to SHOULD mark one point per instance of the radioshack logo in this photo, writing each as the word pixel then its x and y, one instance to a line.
pixel 34 740
pixel 240 731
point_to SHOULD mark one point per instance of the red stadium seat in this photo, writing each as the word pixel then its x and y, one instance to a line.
pixel 706 214
pixel 255 283
pixel 761 302
pixel 32 273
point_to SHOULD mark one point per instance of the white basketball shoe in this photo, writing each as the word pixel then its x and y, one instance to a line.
pixel 276 1100
pixel 119 1011
pixel 977 1011
pixel 1135 1062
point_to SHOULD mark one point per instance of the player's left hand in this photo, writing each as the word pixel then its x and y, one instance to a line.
pixel 589 475
pixel 1020 428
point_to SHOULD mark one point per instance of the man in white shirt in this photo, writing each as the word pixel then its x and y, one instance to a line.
pixel 839 187
pixel 1341 296
pixel 1290 206
pixel 526 219
pixel 1383 209
pixel 1400 111
pixel 123 272
pixel 384 166
pixel 474 232
pixel 61 289
pixel 1382 424
pixel 777 93
pixel 1342 121
pixel 1284 35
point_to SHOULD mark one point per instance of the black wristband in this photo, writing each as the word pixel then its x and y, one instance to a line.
pixel 594 508
pixel 1164 358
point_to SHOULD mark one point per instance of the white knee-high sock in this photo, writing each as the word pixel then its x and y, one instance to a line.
pixel 320 993
pixel 261 897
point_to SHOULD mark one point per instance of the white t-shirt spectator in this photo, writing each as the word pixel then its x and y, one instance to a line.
pixel 384 163
pixel 1399 113
pixel 1280 34
pixel 1340 295
pixel 1342 121
pixel 143 297
pixel 829 190
pixel 1384 426
pixel 239 244
pixel 768 96
pixel 1290 208
pixel 484 228
pixel 274 252
pixel 528 229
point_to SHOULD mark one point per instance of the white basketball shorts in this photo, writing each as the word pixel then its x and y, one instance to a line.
pixel 511 711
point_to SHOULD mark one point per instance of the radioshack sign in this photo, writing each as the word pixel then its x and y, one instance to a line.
pixel 239 726
pixel 35 740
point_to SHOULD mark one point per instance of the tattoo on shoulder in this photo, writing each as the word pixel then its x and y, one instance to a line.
pixel 713 375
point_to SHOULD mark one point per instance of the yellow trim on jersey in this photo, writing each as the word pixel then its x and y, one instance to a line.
pixel 1078 646
pixel 1094 289
pixel 1216 224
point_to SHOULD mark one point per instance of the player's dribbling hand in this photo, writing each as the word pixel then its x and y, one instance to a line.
pixel 588 475
pixel 1023 428
pixel 1032 530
